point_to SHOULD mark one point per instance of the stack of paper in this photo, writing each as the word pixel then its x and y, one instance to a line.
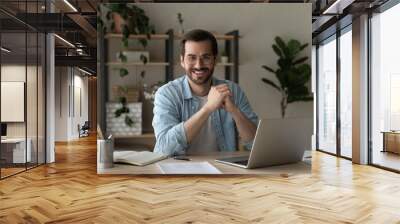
pixel 139 158
pixel 188 168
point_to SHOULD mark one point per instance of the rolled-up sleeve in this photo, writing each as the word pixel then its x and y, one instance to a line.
pixel 245 108
pixel 168 127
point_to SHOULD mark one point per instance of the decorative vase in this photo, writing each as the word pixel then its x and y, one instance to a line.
pixel 224 59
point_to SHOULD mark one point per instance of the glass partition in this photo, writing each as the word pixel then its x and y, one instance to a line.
pixel 14 68
pixel 22 88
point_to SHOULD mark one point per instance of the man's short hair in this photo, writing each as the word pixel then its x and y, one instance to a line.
pixel 197 36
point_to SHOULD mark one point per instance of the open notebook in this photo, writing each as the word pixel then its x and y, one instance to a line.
pixel 139 158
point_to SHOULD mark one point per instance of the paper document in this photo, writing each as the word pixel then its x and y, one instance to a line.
pixel 140 158
pixel 188 168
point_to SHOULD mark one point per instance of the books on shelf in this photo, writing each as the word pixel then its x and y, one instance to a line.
pixel 138 158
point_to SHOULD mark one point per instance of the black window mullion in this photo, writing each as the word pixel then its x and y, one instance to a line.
pixel 37 90
pixel 317 90
pixel 26 86
pixel 369 90
pixel 338 93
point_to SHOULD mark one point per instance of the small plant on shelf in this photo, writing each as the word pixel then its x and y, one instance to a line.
pixel 293 74
pixel 180 21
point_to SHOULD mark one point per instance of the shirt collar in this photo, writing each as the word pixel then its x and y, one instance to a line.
pixel 187 92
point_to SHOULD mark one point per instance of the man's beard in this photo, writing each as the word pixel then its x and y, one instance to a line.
pixel 202 80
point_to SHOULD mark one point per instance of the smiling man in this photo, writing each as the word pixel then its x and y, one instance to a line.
pixel 198 113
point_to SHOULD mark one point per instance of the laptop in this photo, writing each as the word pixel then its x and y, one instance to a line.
pixel 277 142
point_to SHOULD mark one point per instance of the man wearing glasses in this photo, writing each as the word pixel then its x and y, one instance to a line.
pixel 198 113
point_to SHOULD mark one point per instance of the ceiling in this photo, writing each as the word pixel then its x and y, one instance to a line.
pixel 76 21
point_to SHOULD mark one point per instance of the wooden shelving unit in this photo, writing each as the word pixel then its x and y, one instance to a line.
pixel 152 37
pixel 217 36
pixel 137 64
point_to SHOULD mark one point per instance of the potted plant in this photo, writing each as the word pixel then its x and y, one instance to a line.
pixel 293 74
pixel 126 19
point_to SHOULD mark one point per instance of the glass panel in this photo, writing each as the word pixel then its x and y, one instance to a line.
pixel 327 96
pixel 13 86
pixel 32 87
pixel 346 94
pixel 41 99
pixel 31 98
pixel 385 84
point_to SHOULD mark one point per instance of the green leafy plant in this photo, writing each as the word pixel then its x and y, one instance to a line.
pixel 124 110
pixel 128 19
pixel 293 74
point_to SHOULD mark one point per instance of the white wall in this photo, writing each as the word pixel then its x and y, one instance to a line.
pixel 68 82
pixel 258 25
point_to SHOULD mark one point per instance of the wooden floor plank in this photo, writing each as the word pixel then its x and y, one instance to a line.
pixel 70 191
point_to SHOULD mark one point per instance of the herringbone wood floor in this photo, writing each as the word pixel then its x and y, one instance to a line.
pixel 69 191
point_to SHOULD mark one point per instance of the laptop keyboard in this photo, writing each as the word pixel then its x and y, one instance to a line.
pixel 242 162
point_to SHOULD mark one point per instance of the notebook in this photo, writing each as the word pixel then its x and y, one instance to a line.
pixel 188 168
pixel 138 158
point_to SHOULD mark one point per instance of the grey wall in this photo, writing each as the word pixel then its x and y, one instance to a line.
pixel 258 24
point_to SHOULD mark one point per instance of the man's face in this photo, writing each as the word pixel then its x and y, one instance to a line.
pixel 198 61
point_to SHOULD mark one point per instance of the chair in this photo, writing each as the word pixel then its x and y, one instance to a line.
pixel 84 130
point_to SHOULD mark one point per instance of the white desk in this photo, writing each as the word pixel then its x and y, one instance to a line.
pixel 153 169
pixel 16 146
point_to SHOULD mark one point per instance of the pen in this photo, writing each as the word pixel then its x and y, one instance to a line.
pixel 182 158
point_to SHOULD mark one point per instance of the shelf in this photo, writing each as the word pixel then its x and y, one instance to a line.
pixel 142 136
pixel 217 36
pixel 224 64
pixel 163 36
pixel 137 64
pixel 141 36
pixel 218 64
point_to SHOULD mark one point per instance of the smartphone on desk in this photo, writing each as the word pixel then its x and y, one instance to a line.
pixel 182 158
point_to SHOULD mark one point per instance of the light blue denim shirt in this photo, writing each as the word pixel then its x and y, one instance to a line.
pixel 174 104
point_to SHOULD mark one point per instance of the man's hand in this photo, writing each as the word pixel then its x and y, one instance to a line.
pixel 216 97
pixel 228 105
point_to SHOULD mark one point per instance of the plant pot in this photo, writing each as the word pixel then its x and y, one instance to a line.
pixel 117 126
pixel 224 59
pixel 132 93
pixel 118 22
pixel 134 56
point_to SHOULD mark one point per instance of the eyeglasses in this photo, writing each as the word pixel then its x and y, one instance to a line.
pixel 205 59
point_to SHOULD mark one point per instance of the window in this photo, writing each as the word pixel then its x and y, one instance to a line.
pixel 327 95
pixel 385 86
pixel 346 93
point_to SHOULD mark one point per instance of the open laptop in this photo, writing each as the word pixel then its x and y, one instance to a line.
pixel 277 142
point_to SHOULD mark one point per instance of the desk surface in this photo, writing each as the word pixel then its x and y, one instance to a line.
pixel 13 140
pixel 153 169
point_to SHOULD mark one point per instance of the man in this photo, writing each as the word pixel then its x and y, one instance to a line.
pixel 197 113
